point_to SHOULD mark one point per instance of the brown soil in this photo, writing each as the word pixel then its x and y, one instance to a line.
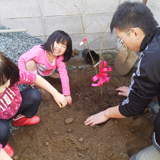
pixel 53 139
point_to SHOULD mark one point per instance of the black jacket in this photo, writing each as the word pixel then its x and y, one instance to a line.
pixel 145 82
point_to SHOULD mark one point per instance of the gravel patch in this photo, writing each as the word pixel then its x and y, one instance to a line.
pixel 15 44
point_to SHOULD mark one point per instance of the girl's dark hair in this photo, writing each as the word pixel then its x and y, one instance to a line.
pixel 133 14
pixel 8 70
pixel 59 36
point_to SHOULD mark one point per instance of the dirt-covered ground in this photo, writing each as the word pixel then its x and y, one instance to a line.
pixel 53 139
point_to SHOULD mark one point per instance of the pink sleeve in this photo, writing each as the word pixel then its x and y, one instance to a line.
pixel 63 76
pixel 32 54
pixel 26 78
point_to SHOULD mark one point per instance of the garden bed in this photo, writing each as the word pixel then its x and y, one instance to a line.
pixel 53 139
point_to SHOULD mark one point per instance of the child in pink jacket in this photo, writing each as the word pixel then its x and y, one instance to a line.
pixel 20 106
pixel 44 59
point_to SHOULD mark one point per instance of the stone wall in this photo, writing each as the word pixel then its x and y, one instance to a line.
pixel 76 17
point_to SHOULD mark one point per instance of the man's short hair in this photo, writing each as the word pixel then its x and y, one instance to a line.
pixel 133 14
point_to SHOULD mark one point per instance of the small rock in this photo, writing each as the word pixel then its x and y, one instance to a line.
pixel 80 154
pixel 47 143
pixel 15 158
pixel 55 133
pixel 69 130
pixel 81 139
pixel 69 120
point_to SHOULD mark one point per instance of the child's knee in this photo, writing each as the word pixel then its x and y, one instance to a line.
pixel 31 65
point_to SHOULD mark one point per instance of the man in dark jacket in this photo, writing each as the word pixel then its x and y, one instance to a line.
pixel 137 29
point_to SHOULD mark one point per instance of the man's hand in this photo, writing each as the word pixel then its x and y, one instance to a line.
pixel 123 91
pixel 96 119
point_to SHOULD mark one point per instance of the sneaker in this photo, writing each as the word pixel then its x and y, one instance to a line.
pixel 9 150
pixel 24 121
pixel 149 153
pixel 155 107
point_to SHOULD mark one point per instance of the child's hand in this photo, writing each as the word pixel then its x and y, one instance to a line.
pixel 123 91
pixel 61 100
pixel 69 99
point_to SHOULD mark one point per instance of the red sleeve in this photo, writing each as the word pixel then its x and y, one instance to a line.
pixel 26 78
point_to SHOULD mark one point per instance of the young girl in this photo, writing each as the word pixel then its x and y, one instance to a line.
pixel 45 58
pixel 20 106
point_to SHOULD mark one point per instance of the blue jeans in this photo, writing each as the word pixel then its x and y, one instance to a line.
pixel 31 99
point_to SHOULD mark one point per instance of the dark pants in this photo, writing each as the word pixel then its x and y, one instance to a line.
pixel 31 99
